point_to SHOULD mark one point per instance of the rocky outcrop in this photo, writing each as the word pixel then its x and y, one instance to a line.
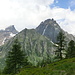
pixel 6 34
pixel 11 29
pixel 51 29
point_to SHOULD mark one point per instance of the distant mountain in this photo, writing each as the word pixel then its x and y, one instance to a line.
pixel 11 29
pixel 50 29
pixel 6 34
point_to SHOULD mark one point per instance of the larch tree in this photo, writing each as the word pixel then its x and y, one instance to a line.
pixel 71 49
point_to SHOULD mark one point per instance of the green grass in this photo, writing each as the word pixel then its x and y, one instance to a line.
pixel 64 67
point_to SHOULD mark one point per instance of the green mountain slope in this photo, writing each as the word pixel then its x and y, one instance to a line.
pixel 64 67
pixel 35 45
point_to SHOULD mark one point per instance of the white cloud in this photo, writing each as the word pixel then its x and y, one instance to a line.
pixel 65 18
pixel 23 13
pixel 29 13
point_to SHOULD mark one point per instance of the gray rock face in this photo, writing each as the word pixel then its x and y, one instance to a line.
pixel 11 29
pixel 50 29
pixel 6 34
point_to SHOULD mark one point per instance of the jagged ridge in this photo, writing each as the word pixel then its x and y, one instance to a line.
pixel 6 34
pixel 50 29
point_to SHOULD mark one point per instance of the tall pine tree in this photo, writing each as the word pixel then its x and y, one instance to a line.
pixel 15 59
pixel 61 45
pixel 71 49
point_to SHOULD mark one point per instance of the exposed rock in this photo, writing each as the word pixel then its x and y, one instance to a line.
pixel 50 29
pixel 11 29
pixel 6 34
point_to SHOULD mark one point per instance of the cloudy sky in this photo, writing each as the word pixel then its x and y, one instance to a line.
pixel 29 13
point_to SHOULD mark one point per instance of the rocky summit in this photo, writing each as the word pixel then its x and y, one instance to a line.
pixel 11 29
pixel 6 34
pixel 50 28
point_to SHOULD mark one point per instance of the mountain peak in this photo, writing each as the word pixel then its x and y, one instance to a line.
pixel 48 20
pixel 49 28
pixel 11 29
pixel 6 34
pixel 51 22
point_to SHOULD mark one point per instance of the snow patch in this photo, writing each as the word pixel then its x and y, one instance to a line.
pixel 54 43
pixel 12 35
pixel 55 24
pixel 3 41
pixel 44 30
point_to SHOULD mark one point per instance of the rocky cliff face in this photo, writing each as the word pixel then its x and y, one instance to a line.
pixel 6 34
pixel 50 29
pixel 11 29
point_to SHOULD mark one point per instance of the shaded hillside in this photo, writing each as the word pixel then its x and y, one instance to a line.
pixel 34 45
pixel 64 67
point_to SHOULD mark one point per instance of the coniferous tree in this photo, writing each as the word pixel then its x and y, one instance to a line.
pixel 61 45
pixel 44 62
pixel 71 49
pixel 16 59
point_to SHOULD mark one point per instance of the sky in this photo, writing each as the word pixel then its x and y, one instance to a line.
pixel 30 13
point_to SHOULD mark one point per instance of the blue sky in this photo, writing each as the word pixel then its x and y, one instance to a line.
pixel 64 4
pixel 61 3
pixel 30 13
pixel 69 6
